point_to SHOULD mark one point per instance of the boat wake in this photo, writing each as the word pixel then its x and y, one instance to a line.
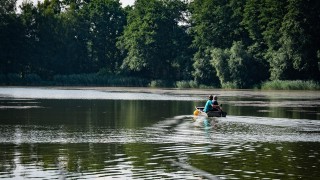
pixel 179 129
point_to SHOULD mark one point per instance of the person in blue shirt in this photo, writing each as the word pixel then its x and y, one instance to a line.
pixel 208 107
pixel 212 104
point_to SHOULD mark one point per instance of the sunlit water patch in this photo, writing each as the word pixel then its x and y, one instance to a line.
pixel 47 93
pixel 279 103
pixel 9 103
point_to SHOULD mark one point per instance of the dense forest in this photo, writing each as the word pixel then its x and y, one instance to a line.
pixel 217 43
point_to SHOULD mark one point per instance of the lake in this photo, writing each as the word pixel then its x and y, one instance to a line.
pixel 145 133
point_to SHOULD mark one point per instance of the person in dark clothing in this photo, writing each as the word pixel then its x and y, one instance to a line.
pixel 215 104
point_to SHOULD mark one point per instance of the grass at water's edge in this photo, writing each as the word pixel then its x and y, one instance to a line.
pixel 290 85
pixel 123 81
pixel 93 80
pixel 73 80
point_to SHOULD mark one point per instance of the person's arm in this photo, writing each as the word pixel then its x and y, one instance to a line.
pixel 215 105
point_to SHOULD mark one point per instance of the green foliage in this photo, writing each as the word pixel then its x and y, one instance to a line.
pixel 216 23
pixel 16 79
pixel 230 85
pixel 107 20
pixel 7 7
pixel 236 67
pixel 203 72
pixel 11 39
pixel 32 79
pixel 290 85
pixel 154 42
pixel 160 83
pixel 66 37
pixel 210 43
pixel 239 65
pixel 98 80
pixel 220 63
pixel 297 56
pixel 186 84
pixel 73 80
pixel 13 79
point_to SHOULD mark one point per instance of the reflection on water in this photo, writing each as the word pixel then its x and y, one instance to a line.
pixel 146 139
pixel 184 129
pixel 180 147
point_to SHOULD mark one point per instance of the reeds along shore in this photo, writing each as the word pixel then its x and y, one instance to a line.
pixel 290 85
pixel 123 81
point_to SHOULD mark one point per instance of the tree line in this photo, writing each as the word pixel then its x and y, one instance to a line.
pixel 234 43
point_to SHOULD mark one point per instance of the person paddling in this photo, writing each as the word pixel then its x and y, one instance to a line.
pixel 212 104
pixel 208 107
pixel 211 109
pixel 215 104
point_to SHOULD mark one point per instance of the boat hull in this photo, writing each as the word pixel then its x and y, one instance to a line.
pixel 213 113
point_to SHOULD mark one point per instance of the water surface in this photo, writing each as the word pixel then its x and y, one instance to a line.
pixel 134 133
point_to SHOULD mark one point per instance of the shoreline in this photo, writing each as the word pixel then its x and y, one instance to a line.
pixel 203 93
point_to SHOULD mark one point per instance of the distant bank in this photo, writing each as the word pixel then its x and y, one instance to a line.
pixel 123 81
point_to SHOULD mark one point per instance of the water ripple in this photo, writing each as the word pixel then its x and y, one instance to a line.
pixel 175 130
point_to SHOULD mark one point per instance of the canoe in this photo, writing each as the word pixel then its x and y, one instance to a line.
pixel 213 113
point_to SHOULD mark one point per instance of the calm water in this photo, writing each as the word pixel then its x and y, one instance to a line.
pixel 104 133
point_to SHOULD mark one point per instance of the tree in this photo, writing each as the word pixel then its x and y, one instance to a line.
pixel 11 38
pixel 57 40
pixel 214 24
pixel 236 67
pixel 155 44
pixel 299 43
pixel 47 56
pixel 204 72
pixel 74 35
pixel 30 33
pixel 107 20
pixel 7 7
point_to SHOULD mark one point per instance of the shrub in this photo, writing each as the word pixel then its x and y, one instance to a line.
pixel 3 79
pixel 230 85
pixel 237 67
pixel 186 84
pixel 14 79
pixel 32 79
pixel 161 83
pixel 101 80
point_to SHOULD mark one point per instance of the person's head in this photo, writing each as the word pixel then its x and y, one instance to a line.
pixel 210 97
pixel 215 97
